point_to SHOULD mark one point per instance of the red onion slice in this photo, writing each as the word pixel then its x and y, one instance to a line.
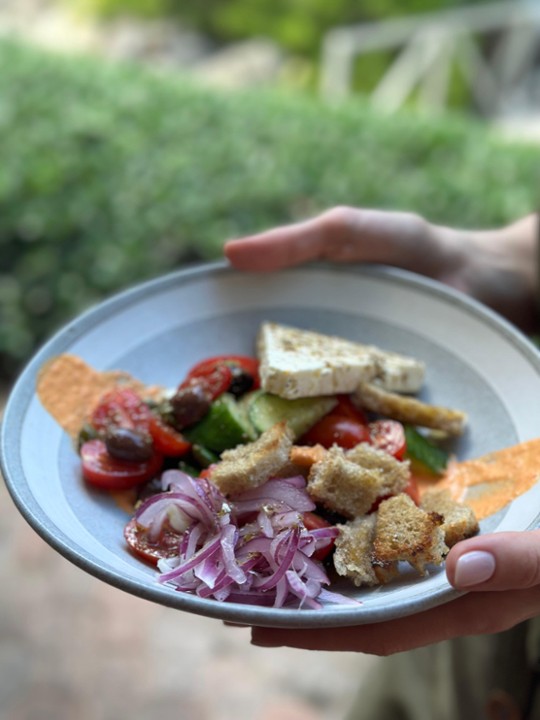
pixel 266 561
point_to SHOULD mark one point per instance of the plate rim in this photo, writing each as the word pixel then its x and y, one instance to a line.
pixel 22 393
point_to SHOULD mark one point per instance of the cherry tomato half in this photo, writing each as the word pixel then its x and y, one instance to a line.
pixel 137 539
pixel 335 429
pixel 122 407
pixel 216 374
pixel 389 435
pixel 245 362
pixel 312 521
pixel 167 441
pixel 105 472
pixel 214 380
pixel 346 408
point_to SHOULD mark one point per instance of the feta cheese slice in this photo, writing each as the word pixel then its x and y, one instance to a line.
pixel 298 363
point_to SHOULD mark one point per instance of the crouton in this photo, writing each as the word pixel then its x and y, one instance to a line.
pixel 248 466
pixel 353 549
pixel 459 520
pixel 395 474
pixel 350 482
pixel 405 532
pixel 409 410
pixel 343 486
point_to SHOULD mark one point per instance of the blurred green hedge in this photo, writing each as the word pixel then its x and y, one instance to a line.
pixel 110 175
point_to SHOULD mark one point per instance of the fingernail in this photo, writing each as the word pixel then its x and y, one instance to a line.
pixel 474 568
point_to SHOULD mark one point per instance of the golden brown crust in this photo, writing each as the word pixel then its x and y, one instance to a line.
pixel 343 486
pixel 410 410
pixel 405 532
pixel 395 474
pixel 459 520
pixel 353 548
pixel 248 466
pixel 350 482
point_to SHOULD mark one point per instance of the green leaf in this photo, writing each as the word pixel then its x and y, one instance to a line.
pixel 422 450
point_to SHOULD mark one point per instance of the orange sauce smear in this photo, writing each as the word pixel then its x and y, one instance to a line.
pixel 69 389
pixel 489 483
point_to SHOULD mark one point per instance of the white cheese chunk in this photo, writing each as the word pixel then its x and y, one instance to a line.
pixel 301 363
pixel 398 373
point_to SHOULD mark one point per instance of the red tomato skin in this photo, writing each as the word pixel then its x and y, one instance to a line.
pixel 167 441
pixel 346 408
pixel 137 541
pixel 102 471
pixel 246 362
pixel 215 372
pixel 122 407
pixel 337 430
pixel 214 379
pixel 312 521
pixel 389 435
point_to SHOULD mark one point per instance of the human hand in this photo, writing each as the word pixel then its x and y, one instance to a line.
pixel 497 267
pixel 500 573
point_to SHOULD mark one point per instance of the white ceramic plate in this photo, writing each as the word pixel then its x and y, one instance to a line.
pixel 156 331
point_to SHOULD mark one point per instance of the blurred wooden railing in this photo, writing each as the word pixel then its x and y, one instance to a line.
pixel 428 47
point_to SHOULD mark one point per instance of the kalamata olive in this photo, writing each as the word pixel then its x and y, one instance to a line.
pixel 126 444
pixel 189 405
pixel 241 382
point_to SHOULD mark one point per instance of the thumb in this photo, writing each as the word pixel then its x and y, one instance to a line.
pixel 499 561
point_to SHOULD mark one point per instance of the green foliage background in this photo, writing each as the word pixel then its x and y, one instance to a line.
pixel 110 175
pixel 297 25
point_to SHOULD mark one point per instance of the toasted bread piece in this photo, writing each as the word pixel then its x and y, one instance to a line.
pixel 248 466
pixel 395 474
pixel 385 571
pixel 409 410
pixel 347 486
pixel 301 363
pixel 353 549
pixel 405 532
pixel 459 520
pixel 343 486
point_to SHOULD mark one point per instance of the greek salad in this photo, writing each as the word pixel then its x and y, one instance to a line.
pixel 271 544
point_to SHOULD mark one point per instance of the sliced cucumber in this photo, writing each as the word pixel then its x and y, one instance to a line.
pixel 265 410
pixel 225 426
pixel 247 400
